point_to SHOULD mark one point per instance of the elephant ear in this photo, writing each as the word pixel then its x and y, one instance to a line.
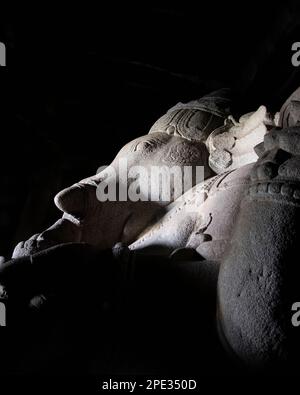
pixel 249 122
pixel 290 111
pixel 232 146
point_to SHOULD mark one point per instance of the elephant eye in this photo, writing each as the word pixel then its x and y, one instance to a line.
pixel 144 146
pixel 147 146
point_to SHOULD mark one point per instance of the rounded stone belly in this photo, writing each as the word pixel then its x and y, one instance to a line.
pixel 203 218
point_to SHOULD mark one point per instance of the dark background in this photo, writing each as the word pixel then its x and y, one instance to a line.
pixel 79 84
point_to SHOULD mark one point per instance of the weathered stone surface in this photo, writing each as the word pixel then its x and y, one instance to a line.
pixel 231 146
pixel 258 277
pixel 104 224
pixel 203 218
pixel 197 119
pixel 290 111
pixel 244 220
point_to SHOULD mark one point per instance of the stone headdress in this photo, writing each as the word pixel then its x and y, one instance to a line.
pixel 197 119
pixel 230 143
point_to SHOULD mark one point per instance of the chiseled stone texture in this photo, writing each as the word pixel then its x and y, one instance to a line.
pixel 243 217
pixel 202 219
pixel 232 146
pixel 195 120
pixel 258 280
pixel 105 223
pixel 290 111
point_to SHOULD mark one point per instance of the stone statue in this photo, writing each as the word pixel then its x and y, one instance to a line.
pixel 241 221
